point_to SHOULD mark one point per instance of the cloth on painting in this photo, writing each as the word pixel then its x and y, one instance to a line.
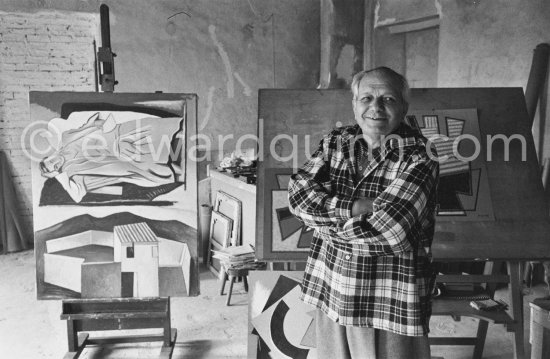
pixel 13 237
pixel 102 153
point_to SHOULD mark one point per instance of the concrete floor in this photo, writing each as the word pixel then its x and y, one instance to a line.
pixel 206 327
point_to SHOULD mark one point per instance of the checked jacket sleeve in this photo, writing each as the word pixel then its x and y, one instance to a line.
pixel 399 217
pixel 312 197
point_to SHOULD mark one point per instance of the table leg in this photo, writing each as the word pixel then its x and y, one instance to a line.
pixel 231 282
pixel 223 278
pixel 72 336
pixel 516 307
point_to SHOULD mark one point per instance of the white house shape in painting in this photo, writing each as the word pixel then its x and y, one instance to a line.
pixel 136 248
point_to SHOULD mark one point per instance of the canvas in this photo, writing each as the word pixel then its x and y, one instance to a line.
pixel 280 324
pixel 113 189
pixel 232 208
pixel 220 237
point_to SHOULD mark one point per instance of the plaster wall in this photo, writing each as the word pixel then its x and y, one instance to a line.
pixel 42 51
pixel 490 44
pixel 222 50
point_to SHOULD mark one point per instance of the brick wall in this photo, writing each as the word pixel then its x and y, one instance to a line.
pixel 44 51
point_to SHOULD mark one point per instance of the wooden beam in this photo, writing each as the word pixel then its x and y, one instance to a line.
pixel 414 24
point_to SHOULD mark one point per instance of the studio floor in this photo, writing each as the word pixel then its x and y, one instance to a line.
pixel 207 328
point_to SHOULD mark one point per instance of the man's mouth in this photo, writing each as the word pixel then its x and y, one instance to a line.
pixel 375 118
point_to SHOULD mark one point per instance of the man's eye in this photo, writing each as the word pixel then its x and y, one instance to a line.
pixel 389 100
pixel 365 99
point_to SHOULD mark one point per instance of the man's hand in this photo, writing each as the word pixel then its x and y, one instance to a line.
pixel 361 206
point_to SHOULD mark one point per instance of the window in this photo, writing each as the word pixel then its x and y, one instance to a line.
pixel 130 252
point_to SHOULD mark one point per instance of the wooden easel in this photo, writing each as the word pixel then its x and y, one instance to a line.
pixel 87 315
pixel 520 230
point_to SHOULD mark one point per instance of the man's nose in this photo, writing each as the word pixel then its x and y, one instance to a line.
pixel 377 105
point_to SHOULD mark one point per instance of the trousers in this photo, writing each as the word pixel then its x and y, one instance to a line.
pixel 335 341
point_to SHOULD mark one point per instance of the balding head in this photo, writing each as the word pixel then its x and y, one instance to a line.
pixel 396 79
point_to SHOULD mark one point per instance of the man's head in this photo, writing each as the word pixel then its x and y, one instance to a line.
pixel 380 102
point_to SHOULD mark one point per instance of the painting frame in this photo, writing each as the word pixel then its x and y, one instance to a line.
pixel 220 237
pixel 172 213
pixel 232 208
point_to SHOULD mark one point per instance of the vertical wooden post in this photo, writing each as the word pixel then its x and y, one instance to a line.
pixel 368 37
pixel 167 326
pixel 516 307
pixel 72 336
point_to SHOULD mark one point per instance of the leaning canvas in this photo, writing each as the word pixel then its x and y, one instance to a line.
pixel 114 194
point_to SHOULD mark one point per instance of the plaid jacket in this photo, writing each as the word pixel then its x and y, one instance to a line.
pixel 372 270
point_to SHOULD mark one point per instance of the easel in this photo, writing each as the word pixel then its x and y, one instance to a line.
pixel 520 229
pixel 85 315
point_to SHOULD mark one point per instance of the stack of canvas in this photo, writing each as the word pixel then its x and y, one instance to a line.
pixel 237 257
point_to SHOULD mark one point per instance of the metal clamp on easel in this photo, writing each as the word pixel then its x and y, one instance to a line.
pixel 105 57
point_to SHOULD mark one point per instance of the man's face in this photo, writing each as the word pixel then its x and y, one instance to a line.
pixel 379 107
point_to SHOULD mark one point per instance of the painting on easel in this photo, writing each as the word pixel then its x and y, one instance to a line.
pixel 114 196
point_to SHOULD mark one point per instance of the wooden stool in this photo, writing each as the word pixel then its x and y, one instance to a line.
pixel 540 329
pixel 233 273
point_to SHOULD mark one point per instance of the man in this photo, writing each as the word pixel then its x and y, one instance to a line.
pixel 369 192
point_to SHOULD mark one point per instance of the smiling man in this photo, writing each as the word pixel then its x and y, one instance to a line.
pixel 369 192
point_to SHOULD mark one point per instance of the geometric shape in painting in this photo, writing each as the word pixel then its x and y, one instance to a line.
pixel 136 248
pixel 63 267
pixel 288 233
pixel 127 284
pixel 411 121
pixel 283 237
pixel 463 192
pixel 310 338
pixel 174 268
pixel 281 288
pixel 282 181
pixel 63 271
pixel 172 282
pixel 306 236
pixel 101 280
pixel 469 200
pixel 279 335
pixel 288 223
pixel 284 325
pixel 449 189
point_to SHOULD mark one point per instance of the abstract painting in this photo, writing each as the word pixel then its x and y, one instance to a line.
pixel 280 325
pixel 284 236
pixel 114 196
pixel 463 191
